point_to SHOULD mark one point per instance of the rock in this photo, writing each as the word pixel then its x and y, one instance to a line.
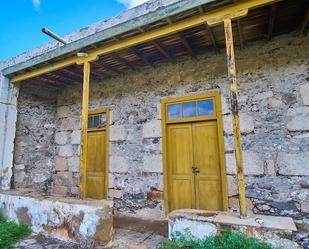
pixel 153 163
pixel 152 129
pixel 274 103
pixel 117 133
pixel 231 185
pixel 66 150
pixel 263 95
pixel 73 163
pixel 19 167
pixel 304 93
pixel 61 164
pixel 39 177
pixel 114 193
pixel 306 135
pixel 60 190
pixel 304 206
pixel 253 165
pixel 64 179
pixel 298 119
pixel 111 181
pixel 293 163
pixel 61 137
pixel 290 206
pixel 19 177
pixel 118 164
pixel 63 111
pixel 270 167
pixel 246 124
pixel 155 196
pixel 75 137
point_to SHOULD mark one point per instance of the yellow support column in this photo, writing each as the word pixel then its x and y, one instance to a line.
pixel 84 127
pixel 232 80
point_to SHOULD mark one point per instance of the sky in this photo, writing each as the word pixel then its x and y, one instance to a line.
pixel 21 21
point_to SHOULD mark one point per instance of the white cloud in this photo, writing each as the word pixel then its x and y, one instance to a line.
pixel 36 4
pixel 131 3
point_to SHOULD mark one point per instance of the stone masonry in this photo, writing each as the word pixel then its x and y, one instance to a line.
pixel 274 113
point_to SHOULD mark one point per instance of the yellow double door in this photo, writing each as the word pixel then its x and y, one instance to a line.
pixel 194 166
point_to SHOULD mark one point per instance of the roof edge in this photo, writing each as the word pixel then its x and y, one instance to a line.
pixel 162 11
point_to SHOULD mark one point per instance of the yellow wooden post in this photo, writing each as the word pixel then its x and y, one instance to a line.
pixel 84 127
pixel 232 80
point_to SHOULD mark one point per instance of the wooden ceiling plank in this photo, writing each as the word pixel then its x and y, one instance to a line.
pixel 271 22
pixel 122 60
pixel 137 53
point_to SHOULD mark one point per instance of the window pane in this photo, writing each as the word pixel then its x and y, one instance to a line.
pixel 205 107
pixel 189 109
pixel 103 120
pixel 96 121
pixel 174 111
pixel 90 122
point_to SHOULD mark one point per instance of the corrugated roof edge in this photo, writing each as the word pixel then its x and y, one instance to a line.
pixel 131 19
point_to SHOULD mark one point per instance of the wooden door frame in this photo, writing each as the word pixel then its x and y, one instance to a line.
pixel 217 116
pixel 98 111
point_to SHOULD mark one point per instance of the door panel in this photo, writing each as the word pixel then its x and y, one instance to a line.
pixel 180 161
pixel 96 165
pixel 206 159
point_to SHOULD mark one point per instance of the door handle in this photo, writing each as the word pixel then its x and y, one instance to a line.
pixel 195 170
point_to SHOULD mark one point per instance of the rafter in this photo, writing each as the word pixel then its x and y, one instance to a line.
pixel 241 36
pixel 305 21
pixel 211 36
pixel 122 60
pixel 271 22
pixel 137 53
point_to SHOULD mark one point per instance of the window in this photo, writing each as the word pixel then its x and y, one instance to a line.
pixel 97 121
pixel 196 108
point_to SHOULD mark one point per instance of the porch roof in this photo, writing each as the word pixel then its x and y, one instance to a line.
pixel 172 29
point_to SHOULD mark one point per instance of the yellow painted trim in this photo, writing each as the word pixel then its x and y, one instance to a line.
pixel 216 96
pixel 84 127
pixel 214 17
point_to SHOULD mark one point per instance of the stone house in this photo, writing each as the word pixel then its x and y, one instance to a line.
pixel 156 125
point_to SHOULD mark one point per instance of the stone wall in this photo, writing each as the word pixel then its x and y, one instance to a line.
pixel 274 113
pixel 34 152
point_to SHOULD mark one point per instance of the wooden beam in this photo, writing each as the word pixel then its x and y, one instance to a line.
pixel 84 127
pixel 107 67
pixel 211 36
pixel 141 56
pixel 232 81
pixel 271 22
pixel 186 44
pixel 122 60
pixel 162 51
pixel 214 17
pixel 305 21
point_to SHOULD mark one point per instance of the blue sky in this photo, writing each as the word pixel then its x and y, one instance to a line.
pixel 21 21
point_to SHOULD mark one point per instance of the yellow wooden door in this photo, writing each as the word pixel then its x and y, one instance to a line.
pixel 96 165
pixel 207 163
pixel 194 166
pixel 180 161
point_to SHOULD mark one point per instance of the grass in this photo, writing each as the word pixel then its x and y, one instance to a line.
pixel 225 240
pixel 10 232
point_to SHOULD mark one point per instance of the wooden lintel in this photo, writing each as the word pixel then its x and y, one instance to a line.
pixel 84 127
pixel 271 22
pixel 305 22
pixel 232 81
